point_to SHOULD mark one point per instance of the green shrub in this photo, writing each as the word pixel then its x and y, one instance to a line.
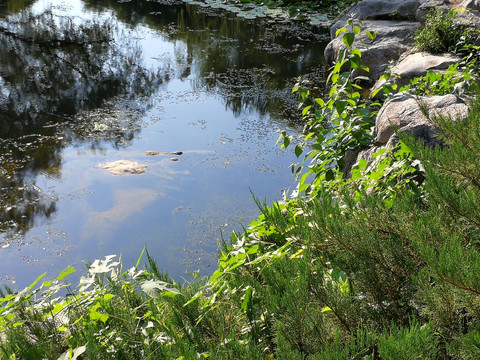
pixel 413 342
pixel 442 33
pixel 453 80
pixel 334 275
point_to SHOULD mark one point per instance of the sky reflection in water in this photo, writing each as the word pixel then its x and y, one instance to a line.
pixel 221 90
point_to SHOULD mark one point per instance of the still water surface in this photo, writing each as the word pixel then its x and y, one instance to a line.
pixel 120 79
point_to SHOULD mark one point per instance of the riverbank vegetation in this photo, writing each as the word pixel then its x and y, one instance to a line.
pixel 380 261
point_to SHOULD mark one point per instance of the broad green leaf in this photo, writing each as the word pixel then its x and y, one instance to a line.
pixel 340 106
pixel 306 109
pixel 153 287
pixel 340 31
pixel 108 297
pixel 348 39
pixel 95 315
pixel 298 150
pixel 355 62
pixel 372 34
pixel 320 101
pixel 253 249
pixel 215 275
pixel 73 354
pixel 246 298
pixel 64 273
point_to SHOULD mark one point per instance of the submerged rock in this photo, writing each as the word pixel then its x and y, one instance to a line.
pixel 121 167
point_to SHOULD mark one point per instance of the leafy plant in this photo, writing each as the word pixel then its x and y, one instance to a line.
pixel 442 33
pixel 336 125
pixel 453 80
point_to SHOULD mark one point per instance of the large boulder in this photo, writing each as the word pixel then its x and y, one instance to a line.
pixel 431 5
pixel 393 38
pixel 416 65
pixel 388 9
pixel 470 5
pixel 402 112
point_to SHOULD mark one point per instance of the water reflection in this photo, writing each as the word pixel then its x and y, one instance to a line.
pixel 52 68
pixel 117 79
pixel 249 63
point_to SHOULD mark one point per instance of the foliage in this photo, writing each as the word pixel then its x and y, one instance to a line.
pixel 335 125
pixel 323 279
pixel 453 80
pixel 334 275
pixel 442 32
pixel 342 125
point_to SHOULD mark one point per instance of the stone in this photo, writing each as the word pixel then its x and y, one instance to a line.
pixel 470 5
pixel 402 112
pixel 393 38
pixel 469 18
pixel 430 5
pixel 416 65
pixel 388 9
pixel 121 167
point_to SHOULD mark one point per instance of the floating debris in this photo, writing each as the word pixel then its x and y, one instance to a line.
pixel 121 167
pixel 153 153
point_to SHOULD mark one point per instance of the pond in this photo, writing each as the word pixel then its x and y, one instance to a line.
pixel 83 83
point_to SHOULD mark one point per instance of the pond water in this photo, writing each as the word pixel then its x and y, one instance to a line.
pixel 85 83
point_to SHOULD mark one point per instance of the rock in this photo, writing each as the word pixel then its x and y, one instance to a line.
pixel 388 9
pixel 173 159
pixel 430 5
pixel 349 160
pixel 470 18
pixel 469 5
pixel 393 38
pixel 367 154
pixel 415 65
pixel 402 112
pixel 121 167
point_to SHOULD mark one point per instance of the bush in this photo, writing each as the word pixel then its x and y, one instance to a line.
pixel 334 275
pixel 442 33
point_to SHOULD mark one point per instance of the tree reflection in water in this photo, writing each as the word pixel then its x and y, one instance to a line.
pixel 251 64
pixel 52 68
pixel 66 80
